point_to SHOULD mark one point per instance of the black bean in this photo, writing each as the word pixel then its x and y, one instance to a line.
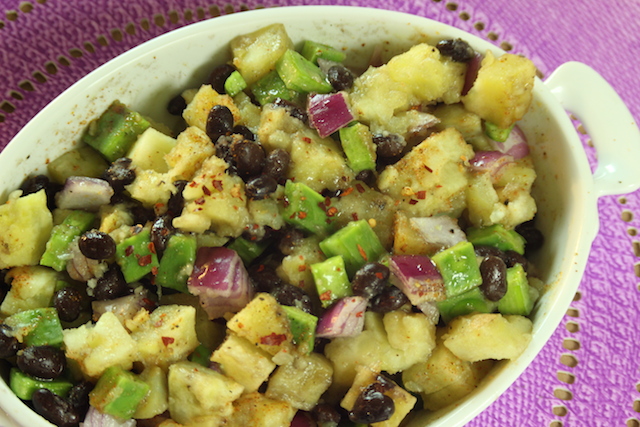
pixel 95 244
pixel 368 176
pixel 276 165
pixel 35 183
pixel 494 278
pixel 512 258
pixel 324 413
pixel 69 303
pixel 291 295
pixel 457 49
pixel 219 75
pixel 161 231
pixel 244 131
pixel 176 200
pixel 291 237
pixel 370 280
pixel 389 146
pixel 372 406
pixel 9 345
pixel 340 77
pixel 111 285
pixel 78 396
pixel 219 122
pixel 486 250
pixel 45 362
pixel 119 174
pixel 176 105
pixel 248 158
pixel 55 409
pixel 264 277
pixel 392 298
pixel 260 187
pixel 293 110
pixel 140 214
pixel 532 235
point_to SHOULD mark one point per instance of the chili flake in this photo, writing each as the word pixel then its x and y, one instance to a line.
pixel 346 192
pixel 167 340
pixel 421 194
pixel 273 339
pixel 206 190
pixel 144 260
pixel 129 250
pixel 325 296
pixel 363 254
pixel 302 215
pixel 332 211
pixel 217 184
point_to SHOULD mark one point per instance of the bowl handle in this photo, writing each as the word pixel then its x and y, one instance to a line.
pixel 613 130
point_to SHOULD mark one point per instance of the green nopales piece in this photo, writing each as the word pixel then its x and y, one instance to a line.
pixel 356 243
pixel 459 268
pixel 357 144
pixel 115 131
pixel 497 236
pixel 518 299
pixel 303 327
pixel 466 303
pixel 313 50
pixel 118 393
pixel 234 84
pixel 39 326
pixel 300 74
pixel 271 87
pixel 331 280
pixel 57 248
pixel 304 209
pixel 496 133
pixel 136 256
pixel 24 385
pixel 177 261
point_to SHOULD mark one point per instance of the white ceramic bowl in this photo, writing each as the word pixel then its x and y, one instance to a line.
pixel 147 76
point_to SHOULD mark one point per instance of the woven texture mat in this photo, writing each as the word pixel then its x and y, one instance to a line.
pixel 587 374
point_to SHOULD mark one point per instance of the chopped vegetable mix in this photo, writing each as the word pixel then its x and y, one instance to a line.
pixel 311 247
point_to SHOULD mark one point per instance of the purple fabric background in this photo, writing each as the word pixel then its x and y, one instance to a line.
pixel 602 389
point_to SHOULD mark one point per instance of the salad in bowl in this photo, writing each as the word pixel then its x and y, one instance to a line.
pixel 266 220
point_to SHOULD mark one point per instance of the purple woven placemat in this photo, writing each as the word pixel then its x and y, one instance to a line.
pixel 587 374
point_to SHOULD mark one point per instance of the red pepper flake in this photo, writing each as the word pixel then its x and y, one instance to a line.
pixel 332 211
pixel 379 275
pixel 128 251
pixel 260 268
pixel 144 260
pixel 193 184
pixel 302 215
pixel 363 254
pixel 428 168
pixel 360 188
pixel 167 340
pixel 199 201
pixel 346 192
pixel 439 186
pixel 421 195
pixel 307 140
pixel 413 201
pixel 154 271
pixel 152 247
pixel 302 267
pixel 273 339
pixel 360 314
pixel 325 296
pixel 354 216
pixel 206 190
pixel 217 184
pixel 322 206
pixel 327 201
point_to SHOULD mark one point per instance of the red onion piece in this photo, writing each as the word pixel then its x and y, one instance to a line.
pixel 439 230
pixel 418 277
pixel 124 307
pixel 343 319
pixel 516 144
pixel 329 112
pixel 220 280
pixel 95 418
pixel 81 192
pixel 472 73
pixel 489 161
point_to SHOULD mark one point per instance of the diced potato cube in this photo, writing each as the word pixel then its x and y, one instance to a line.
pixel 151 188
pixel 296 267
pixel 484 336
pixel 31 287
pixel 193 147
pixel 257 410
pixel 198 109
pixel 168 336
pixel 113 217
pixel 149 150
pixel 25 227
pixel 199 395
pixel 157 400
pixel 265 324
pixel 243 362
pixel 277 127
pixel 255 54
pixel 302 382
pixel 456 391
pixel 432 177
pixel 214 200
pixel 97 347
pixel 502 92
pixel 318 163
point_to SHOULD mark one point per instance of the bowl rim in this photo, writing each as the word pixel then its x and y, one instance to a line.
pixel 544 328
